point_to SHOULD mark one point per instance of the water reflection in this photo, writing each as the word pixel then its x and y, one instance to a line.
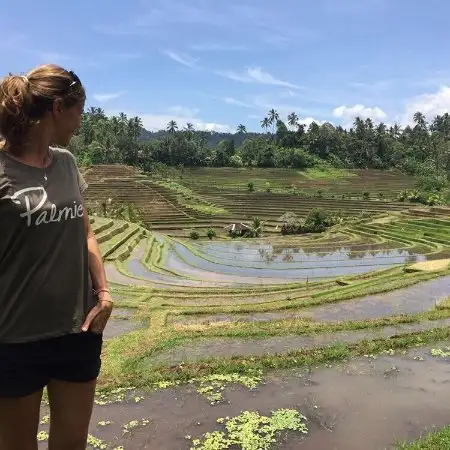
pixel 290 265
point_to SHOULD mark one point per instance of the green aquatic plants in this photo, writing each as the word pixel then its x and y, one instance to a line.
pixel 252 431
pixel 133 425
pixel 441 352
pixel 212 386
pixel 96 443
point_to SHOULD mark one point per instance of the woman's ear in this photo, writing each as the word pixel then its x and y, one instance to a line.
pixel 57 107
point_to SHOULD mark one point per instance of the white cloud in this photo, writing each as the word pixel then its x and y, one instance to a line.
pixel 309 120
pixel 256 75
pixel 233 101
pixel 181 58
pixel 430 105
pixel 155 122
pixel 106 97
pixel 349 113
pixel 182 115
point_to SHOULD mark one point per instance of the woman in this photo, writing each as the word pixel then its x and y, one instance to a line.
pixel 54 299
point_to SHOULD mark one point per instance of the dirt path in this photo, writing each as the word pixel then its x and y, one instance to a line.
pixel 362 405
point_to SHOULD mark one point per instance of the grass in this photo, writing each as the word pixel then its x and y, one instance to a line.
pixel 437 440
pixel 326 173
pixel 127 361
pixel 189 199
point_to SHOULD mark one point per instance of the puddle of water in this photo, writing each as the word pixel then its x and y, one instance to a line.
pixel 364 404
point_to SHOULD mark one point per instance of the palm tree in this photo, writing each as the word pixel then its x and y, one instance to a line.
pixel 265 123
pixel 123 122
pixel 273 119
pixel 172 127
pixel 134 127
pixel 257 227
pixel 292 120
pixel 189 130
pixel 241 129
pixel 97 112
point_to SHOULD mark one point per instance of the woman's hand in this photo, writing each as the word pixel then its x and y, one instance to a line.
pixel 98 316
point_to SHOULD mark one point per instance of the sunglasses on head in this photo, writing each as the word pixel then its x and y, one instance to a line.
pixel 75 79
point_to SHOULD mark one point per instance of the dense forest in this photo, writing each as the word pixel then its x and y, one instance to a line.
pixel 420 149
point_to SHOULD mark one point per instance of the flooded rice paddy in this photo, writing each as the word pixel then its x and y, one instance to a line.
pixel 241 263
pixel 362 404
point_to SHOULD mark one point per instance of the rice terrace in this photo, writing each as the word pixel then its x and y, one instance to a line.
pixel 331 340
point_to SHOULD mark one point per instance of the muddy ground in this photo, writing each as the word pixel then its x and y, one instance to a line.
pixel 365 404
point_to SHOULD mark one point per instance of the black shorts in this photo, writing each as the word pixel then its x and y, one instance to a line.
pixel 26 368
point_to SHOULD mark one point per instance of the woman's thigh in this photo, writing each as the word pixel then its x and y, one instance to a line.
pixel 70 413
pixel 19 422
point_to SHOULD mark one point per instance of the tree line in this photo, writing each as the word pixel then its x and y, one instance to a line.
pixel 421 148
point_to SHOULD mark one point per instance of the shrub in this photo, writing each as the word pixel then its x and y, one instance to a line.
pixel 251 186
pixel 291 223
pixel 317 221
pixel 366 195
pixel 268 187
pixel 194 235
pixel 211 233
pixel 236 161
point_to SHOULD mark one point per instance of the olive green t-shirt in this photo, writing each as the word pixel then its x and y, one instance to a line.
pixel 45 285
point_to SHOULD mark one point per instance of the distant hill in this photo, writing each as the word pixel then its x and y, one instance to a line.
pixel 213 138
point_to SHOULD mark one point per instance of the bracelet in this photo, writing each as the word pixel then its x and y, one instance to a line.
pixel 98 291
pixel 101 290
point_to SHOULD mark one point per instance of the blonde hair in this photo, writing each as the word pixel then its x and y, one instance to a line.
pixel 25 99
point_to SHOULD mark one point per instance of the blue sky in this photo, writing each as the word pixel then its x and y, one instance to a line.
pixel 220 63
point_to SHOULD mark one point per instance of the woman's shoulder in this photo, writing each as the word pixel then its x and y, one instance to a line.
pixel 60 151
pixel 65 156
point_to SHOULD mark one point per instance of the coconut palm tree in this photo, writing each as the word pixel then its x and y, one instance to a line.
pixel 172 127
pixel 241 129
pixel 273 119
pixel 189 127
pixel 292 120
pixel 265 123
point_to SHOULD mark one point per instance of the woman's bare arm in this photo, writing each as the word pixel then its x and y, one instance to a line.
pixel 99 315
pixel 96 265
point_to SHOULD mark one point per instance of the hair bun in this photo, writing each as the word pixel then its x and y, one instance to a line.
pixel 23 105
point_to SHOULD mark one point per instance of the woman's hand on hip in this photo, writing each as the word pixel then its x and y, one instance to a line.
pixel 99 315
